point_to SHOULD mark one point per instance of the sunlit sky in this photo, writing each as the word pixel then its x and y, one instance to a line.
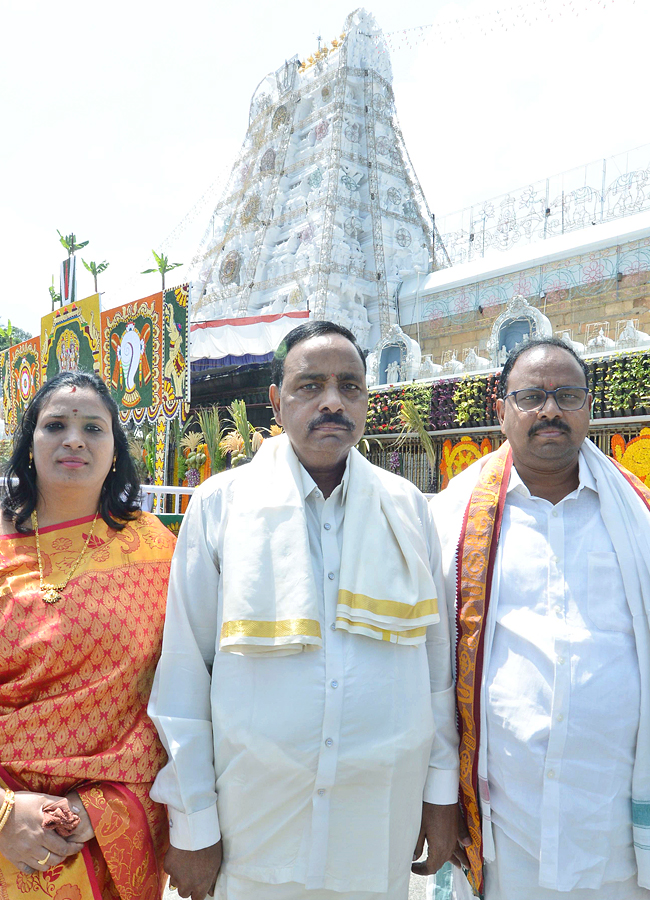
pixel 118 118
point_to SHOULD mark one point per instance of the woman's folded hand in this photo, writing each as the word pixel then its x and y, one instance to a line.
pixel 84 830
pixel 24 841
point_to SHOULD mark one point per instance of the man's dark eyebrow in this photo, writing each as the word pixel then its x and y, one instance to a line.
pixel 321 376
pixel 350 376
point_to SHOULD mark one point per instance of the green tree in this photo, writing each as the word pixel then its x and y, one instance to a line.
pixel 95 269
pixel 69 241
pixel 163 266
pixel 10 336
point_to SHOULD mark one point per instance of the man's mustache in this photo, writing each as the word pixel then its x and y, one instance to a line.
pixel 554 425
pixel 332 419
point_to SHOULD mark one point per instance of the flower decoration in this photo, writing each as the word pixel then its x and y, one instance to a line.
pixel 394 461
pixel 635 454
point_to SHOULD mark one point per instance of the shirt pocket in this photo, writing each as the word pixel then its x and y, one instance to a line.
pixel 606 601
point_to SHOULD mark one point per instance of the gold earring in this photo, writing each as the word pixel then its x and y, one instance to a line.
pixel 114 460
pixel 31 459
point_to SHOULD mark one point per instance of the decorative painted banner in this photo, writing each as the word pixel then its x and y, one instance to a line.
pixel 176 382
pixel 139 349
pixel 145 356
pixel 459 456
pixel 24 377
pixel 70 339
pixel 5 388
pixel 131 345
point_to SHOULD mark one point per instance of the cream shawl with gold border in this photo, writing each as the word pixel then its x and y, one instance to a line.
pixel 270 604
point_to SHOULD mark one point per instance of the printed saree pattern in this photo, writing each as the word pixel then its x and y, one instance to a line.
pixel 75 683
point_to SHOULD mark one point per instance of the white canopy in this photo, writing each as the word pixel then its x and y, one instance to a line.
pixel 235 341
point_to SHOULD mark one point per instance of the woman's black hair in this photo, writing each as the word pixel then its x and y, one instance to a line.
pixel 119 501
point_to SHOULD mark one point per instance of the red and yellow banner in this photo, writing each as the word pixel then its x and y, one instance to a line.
pixel 140 349
pixel 70 339
pixel 144 348
pixel 132 353
pixel 24 376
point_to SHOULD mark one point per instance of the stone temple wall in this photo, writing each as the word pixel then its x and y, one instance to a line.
pixel 609 285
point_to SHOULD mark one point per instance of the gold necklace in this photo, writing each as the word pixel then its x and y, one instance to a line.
pixel 52 593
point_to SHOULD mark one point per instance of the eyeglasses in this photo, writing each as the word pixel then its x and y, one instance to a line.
pixel 568 399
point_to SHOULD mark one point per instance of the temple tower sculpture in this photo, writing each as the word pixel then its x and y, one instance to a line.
pixel 323 210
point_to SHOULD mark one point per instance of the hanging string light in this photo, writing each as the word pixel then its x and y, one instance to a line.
pixel 503 18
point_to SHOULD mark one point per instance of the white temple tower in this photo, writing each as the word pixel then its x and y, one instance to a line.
pixel 323 209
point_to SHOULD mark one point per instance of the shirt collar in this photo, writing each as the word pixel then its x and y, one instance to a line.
pixel 309 485
pixel 585 479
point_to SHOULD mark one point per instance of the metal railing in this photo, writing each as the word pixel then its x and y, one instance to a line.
pixel 164 496
pixel 578 198
pixel 410 460
pixel 158 493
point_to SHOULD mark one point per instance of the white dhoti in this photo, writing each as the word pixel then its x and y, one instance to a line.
pixel 233 888
pixel 514 876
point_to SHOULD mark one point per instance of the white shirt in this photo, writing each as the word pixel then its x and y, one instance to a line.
pixel 561 733
pixel 321 758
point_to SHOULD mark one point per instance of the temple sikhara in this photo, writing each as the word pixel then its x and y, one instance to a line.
pixel 323 210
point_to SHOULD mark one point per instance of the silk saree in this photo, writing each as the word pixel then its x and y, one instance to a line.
pixel 75 679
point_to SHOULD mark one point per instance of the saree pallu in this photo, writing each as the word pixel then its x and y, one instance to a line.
pixel 75 679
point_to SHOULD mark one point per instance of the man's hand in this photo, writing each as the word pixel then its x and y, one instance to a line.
pixel 194 872
pixel 24 841
pixel 440 829
pixel 84 830
pixel 459 857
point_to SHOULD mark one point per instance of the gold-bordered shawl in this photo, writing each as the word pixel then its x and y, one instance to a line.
pixel 475 567
pixel 476 553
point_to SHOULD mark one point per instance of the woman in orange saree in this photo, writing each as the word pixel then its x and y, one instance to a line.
pixel 83 577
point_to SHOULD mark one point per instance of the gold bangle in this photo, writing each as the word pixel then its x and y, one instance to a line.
pixel 7 806
pixel 5 817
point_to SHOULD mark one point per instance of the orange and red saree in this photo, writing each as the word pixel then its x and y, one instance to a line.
pixel 75 679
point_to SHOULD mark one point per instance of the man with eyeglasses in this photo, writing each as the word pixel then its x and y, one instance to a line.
pixel 546 545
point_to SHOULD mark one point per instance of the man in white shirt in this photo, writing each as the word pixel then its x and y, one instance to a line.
pixel 309 757
pixel 551 634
